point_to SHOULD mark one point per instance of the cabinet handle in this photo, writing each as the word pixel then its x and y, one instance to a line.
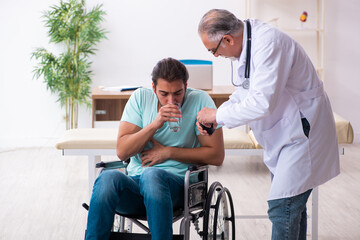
pixel 100 112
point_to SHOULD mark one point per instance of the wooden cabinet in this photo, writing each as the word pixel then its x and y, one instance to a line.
pixel 109 105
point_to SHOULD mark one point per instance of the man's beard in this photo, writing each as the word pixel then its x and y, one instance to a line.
pixel 233 59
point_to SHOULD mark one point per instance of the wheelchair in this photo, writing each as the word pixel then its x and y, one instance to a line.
pixel 210 210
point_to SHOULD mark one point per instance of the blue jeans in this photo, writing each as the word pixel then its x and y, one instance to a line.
pixel 155 193
pixel 288 217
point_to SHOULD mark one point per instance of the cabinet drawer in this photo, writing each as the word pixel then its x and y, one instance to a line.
pixel 109 109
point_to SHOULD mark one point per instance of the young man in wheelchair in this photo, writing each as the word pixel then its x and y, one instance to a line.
pixel 154 186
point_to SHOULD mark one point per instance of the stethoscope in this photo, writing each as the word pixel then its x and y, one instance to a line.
pixel 246 83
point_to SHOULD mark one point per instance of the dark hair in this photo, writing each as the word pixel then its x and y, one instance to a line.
pixel 170 70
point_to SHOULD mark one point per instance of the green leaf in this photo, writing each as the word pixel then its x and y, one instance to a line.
pixel 68 75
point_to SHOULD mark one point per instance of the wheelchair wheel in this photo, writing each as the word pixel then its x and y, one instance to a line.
pixel 208 220
pixel 219 219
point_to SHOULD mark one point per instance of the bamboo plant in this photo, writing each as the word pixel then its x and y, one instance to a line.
pixel 68 75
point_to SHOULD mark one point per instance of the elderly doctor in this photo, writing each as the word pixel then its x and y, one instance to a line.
pixel 282 99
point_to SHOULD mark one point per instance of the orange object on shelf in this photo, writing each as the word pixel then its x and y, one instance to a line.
pixel 303 16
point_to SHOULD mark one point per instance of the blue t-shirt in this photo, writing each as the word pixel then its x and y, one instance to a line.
pixel 142 109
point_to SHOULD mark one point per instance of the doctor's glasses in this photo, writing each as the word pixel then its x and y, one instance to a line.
pixel 214 50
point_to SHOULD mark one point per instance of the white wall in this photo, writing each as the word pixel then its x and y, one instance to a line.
pixel 141 32
pixel 342 59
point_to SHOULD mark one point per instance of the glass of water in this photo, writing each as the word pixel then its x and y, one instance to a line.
pixel 175 126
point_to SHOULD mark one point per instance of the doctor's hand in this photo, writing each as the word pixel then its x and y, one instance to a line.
pixel 206 116
pixel 157 154
pixel 167 113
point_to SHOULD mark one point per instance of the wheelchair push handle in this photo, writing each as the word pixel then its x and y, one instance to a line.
pixel 85 206
pixel 113 164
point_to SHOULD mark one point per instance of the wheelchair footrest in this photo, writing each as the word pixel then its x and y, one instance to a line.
pixel 137 236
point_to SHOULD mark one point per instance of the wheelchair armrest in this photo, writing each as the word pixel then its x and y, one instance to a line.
pixel 197 168
pixel 202 171
pixel 113 164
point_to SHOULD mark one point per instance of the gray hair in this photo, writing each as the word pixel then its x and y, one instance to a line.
pixel 218 22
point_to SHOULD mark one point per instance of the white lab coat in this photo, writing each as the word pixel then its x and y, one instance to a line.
pixel 284 88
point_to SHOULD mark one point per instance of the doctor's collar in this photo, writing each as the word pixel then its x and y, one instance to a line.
pixel 242 58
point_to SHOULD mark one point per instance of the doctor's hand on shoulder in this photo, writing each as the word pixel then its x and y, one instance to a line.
pixel 206 116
